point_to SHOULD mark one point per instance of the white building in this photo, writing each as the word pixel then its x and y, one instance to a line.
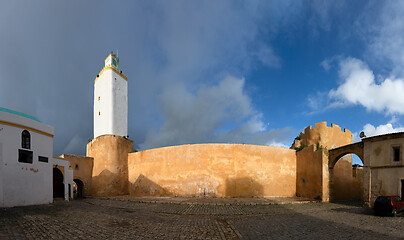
pixel 111 100
pixel 26 150
pixel 62 178
pixel 27 165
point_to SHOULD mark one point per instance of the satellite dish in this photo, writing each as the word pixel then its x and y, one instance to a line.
pixel 362 135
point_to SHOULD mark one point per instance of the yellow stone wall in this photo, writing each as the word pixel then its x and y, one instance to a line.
pixel 357 183
pixel 328 137
pixel 323 136
pixel 110 171
pixel 309 173
pixel 342 187
pixel 221 170
pixel 83 171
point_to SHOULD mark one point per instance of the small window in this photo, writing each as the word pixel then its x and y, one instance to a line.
pixel 24 156
pixel 25 139
pixel 396 152
pixel 42 159
pixel 98 98
pixel 99 113
pixel 77 166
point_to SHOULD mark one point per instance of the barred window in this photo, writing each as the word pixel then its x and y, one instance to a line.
pixel 24 156
pixel 25 139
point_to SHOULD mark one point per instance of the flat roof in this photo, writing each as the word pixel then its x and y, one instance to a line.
pixel 384 137
pixel 19 114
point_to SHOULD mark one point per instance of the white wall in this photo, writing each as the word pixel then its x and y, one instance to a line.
pixel 110 104
pixel 120 106
pixel 69 180
pixel 1 174
pixel 67 175
pixel 25 183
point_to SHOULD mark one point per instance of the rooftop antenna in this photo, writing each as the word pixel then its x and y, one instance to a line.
pixel 117 53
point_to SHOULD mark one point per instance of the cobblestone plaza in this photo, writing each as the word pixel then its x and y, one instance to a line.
pixel 121 218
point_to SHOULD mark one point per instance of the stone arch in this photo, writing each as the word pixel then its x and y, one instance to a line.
pixel 78 188
pixel 58 184
pixel 337 153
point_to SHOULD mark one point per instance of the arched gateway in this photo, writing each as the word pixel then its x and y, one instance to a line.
pixel 334 155
pixel 78 188
pixel 337 153
pixel 58 185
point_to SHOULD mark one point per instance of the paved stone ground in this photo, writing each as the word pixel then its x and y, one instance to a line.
pixel 120 218
pixel 217 201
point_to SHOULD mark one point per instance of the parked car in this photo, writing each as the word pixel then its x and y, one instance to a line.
pixel 389 205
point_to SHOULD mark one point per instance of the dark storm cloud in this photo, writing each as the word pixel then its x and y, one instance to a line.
pixel 174 52
pixel 46 61
pixel 220 113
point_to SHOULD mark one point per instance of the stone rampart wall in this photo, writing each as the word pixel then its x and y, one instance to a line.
pixel 309 181
pixel 220 170
pixel 323 136
pixel 328 137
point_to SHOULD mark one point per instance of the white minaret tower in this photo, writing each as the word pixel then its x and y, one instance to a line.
pixel 111 100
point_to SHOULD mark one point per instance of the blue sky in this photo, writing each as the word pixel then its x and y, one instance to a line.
pixel 254 72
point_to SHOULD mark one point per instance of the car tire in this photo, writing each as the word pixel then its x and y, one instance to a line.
pixel 394 212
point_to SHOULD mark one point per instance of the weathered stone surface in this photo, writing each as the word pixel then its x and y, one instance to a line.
pixel 325 137
pixel 337 153
pixel 382 174
pixel 221 170
pixel 82 170
pixel 110 172
pixel 328 137
pixel 309 182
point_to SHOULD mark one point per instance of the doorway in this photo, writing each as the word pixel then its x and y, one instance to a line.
pixel 402 188
pixel 78 188
pixel 58 185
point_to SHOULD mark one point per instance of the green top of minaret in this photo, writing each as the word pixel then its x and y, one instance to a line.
pixel 112 60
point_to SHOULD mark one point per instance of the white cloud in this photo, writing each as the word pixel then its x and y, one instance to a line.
pixel 371 130
pixel 355 137
pixel 360 88
pixel 217 113
pixel 393 119
pixel 317 102
pixel 326 64
pixel 277 144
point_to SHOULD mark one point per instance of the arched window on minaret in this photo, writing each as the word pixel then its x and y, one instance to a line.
pixel 25 139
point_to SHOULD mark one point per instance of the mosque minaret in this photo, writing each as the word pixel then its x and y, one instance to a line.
pixel 111 100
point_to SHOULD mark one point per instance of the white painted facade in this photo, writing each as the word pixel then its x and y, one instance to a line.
pixel 111 100
pixel 24 183
pixel 67 171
